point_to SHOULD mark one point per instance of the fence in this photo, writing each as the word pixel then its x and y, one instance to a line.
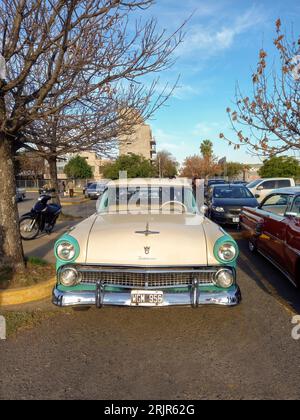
pixel 39 183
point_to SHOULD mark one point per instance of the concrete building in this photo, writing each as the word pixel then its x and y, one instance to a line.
pixel 95 161
pixel 252 173
pixel 140 142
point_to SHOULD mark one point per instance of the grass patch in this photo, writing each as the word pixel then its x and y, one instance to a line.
pixel 37 271
pixel 36 261
pixel 16 321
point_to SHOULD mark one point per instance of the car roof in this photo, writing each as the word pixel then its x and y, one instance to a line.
pixel 290 190
pixel 272 179
pixel 229 185
pixel 157 182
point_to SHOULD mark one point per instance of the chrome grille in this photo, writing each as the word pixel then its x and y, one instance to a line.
pixel 235 211
pixel 139 278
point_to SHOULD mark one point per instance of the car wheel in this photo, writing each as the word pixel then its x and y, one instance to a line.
pixel 252 247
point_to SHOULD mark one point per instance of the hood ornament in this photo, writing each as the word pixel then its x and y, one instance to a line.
pixel 147 232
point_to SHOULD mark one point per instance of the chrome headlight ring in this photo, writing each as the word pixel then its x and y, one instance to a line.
pixel 69 276
pixel 224 278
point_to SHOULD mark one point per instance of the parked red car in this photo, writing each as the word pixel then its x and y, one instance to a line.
pixel 273 229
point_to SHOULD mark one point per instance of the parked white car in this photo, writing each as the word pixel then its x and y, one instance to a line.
pixel 147 245
pixel 262 187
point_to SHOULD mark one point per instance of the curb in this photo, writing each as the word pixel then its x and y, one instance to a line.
pixel 27 294
pixel 70 203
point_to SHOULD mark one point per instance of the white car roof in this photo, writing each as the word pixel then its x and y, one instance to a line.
pixel 291 190
pixel 156 182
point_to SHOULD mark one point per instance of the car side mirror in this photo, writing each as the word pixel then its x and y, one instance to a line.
pixel 260 188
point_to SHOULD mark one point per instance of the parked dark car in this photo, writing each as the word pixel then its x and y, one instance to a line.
pixel 240 183
pixel 273 229
pixel 225 202
pixel 211 182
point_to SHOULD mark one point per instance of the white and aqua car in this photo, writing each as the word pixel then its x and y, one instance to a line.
pixel 147 245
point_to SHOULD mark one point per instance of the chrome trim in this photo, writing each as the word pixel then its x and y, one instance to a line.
pixel 70 268
pixel 220 271
pixel 148 277
pixel 230 297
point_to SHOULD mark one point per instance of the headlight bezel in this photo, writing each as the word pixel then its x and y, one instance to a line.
pixel 222 242
pixel 73 270
pixel 67 240
pixel 229 248
pixel 65 246
pixel 218 282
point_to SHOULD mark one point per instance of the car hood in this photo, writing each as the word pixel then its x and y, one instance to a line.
pixel 235 202
pixel 118 239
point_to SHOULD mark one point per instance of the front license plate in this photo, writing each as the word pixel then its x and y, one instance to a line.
pixel 147 298
pixel 236 220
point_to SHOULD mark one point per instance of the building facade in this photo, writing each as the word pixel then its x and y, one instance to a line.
pixel 140 142
pixel 95 161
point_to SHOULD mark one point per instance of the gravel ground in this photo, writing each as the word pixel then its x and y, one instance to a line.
pixel 171 353
pixel 245 352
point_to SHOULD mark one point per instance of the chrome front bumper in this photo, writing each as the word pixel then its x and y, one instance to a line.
pixel 100 298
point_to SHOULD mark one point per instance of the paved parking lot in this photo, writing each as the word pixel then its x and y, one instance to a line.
pixel 169 353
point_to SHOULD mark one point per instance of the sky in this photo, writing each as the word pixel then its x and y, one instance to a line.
pixel 221 46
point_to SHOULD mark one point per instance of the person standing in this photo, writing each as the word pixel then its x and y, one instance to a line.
pixel 63 186
pixel 71 188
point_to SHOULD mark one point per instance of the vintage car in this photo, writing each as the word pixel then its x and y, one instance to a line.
pixel 147 245
pixel 273 229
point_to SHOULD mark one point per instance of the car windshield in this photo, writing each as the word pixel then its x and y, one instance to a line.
pixel 232 192
pixel 151 199
pixel 253 183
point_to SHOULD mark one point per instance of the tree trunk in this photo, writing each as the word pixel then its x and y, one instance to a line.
pixel 52 161
pixel 11 249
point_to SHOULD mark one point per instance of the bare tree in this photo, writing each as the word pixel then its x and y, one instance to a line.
pixel 62 55
pixel 30 165
pixel 98 125
pixel 268 122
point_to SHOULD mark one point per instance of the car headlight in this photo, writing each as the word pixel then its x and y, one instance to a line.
pixel 66 251
pixel 69 276
pixel 224 278
pixel 218 209
pixel 227 252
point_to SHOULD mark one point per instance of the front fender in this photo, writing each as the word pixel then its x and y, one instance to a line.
pixel 29 214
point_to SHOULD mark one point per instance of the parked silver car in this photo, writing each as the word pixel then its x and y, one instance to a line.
pixel 95 190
